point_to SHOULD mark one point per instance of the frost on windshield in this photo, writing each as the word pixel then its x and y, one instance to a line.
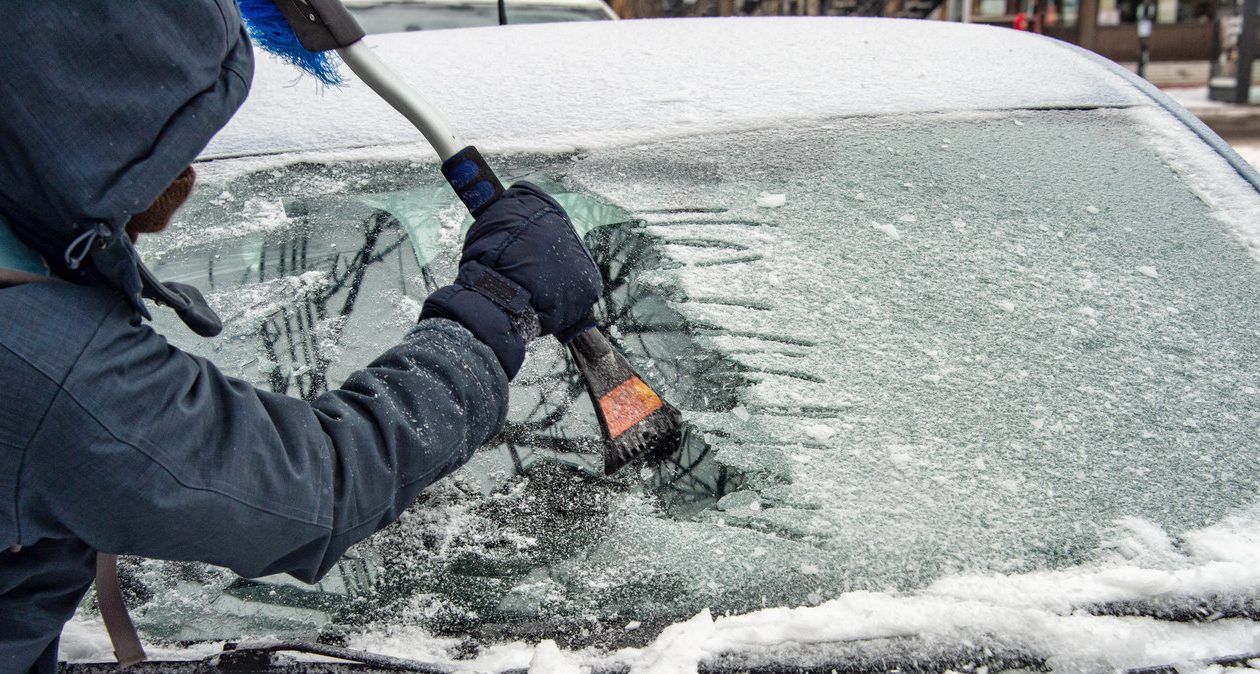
pixel 906 349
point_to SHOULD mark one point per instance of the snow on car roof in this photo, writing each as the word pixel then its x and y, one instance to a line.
pixel 627 82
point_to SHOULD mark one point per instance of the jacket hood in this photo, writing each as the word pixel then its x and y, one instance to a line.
pixel 102 105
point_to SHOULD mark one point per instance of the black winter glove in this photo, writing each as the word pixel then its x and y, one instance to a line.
pixel 524 273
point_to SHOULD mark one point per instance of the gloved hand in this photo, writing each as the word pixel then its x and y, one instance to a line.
pixel 524 273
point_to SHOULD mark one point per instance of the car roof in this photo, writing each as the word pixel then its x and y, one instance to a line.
pixel 584 84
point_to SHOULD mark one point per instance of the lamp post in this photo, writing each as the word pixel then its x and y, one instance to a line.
pixel 1246 51
pixel 1145 26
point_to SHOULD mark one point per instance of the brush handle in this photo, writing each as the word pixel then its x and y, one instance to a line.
pixel 472 179
pixel 422 114
pixel 464 167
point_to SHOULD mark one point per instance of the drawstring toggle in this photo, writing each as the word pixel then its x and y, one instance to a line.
pixel 79 249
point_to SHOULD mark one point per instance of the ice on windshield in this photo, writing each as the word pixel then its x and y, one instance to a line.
pixel 909 350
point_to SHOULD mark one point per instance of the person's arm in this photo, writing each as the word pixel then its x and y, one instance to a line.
pixel 150 451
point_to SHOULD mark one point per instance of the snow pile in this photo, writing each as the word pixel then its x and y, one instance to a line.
pixel 1043 614
pixel 678 649
pixel 548 659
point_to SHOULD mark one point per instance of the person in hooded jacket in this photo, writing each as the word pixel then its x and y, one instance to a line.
pixel 114 442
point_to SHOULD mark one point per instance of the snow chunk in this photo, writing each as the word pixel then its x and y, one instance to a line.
pixel 1092 210
pixel 889 230
pixel 741 413
pixel 548 659
pixel 678 649
pixel 767 200
pixel 740 500
pixel 406 309
pixel 819 432
pixel 901 456
pixel 1147 270
pixel 1006 305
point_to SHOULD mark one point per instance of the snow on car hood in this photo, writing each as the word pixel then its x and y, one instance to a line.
pixel 557 86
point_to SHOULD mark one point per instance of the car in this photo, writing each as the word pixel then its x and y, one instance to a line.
pixel 397 16
pixel 962 322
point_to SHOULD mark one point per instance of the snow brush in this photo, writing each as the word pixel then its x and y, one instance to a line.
pixel 635 421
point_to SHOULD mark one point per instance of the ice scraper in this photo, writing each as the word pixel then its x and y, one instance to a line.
pixel 635 420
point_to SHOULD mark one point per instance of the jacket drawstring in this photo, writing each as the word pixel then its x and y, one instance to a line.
pixel 79 249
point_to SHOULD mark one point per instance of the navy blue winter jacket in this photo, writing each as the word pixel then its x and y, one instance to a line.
pixel 112 440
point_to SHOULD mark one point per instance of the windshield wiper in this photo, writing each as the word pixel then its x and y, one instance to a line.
pixel 266 657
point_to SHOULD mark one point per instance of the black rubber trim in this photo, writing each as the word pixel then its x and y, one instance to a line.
pixel 321 25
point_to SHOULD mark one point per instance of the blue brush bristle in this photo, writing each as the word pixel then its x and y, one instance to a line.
pixel 269 30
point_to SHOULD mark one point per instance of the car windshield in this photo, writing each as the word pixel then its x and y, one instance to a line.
pixel 908 349
pixel 409 16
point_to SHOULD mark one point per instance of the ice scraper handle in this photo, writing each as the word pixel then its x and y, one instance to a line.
pixel 472 179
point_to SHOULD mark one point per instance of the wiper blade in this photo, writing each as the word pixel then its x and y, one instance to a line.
pixel 265 657
pixel 1224 661
pixel 262 650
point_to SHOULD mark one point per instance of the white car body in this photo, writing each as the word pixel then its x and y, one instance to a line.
pixel 818 194
pixel 396 16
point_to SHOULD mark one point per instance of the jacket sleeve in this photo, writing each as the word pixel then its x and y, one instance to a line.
pixel 151 451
